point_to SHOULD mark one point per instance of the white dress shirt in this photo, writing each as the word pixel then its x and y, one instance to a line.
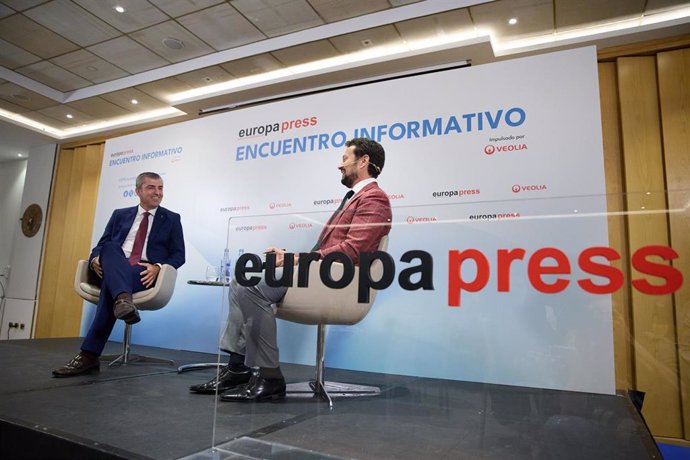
pixel 129 241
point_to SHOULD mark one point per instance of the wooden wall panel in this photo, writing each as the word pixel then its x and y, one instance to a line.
pixel 656 356
pixel 615 200
pixel 64 318
pixel 54 236
pixel 71 214
pixel 673 69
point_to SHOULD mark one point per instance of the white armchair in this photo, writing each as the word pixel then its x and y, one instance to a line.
pixel 320 305
pixel 154 298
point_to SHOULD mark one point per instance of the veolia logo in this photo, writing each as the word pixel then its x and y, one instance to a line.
pixel 128 194
pixel 490 149
pixel 417 220
pixel 511 147
pixel 298 225
pixel 528 188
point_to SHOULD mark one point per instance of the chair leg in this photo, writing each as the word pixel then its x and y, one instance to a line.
pixel 128 358
pixel 323 389
pixel 317 385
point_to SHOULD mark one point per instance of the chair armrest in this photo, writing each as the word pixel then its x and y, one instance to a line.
pixel 160 294
pixel 82 287
pixel 319 304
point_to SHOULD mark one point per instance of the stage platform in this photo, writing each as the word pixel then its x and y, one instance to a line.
pixel 147 412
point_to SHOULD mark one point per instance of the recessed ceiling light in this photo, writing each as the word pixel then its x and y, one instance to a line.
pixel 134 101
pixel 119 8
pixel 366 42
pixel 173 43
pixel 512 21
pixel 20 155
pixel 69 115
pixel 21 97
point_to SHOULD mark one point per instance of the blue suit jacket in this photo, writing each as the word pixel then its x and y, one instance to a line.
pixel 166 241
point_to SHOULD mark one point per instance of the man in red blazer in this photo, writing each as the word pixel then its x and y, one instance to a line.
pixel 363 218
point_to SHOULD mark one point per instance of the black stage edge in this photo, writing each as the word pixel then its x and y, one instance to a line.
pixel 146 412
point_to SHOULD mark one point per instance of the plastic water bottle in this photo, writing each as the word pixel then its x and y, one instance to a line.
pixel 225 267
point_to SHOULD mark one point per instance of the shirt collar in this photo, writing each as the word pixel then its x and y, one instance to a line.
pixel 361 184
pixel 141 210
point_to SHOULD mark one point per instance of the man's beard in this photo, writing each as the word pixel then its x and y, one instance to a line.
pixel 348 180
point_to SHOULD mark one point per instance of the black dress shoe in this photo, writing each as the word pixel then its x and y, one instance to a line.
pixel 125 310
pixel 80 364
pixel 225 379
pixel 258 389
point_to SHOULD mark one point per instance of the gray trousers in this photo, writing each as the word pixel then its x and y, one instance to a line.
pixel 251 328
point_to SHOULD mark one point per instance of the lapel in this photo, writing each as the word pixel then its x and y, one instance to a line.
pixel 349 206
pixel 128 217
pixel 158 220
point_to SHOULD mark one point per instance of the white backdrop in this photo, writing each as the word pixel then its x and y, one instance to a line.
pixel 519 139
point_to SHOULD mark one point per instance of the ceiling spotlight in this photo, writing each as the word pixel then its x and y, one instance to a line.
pixel 173 43
pixel 119 9
pixel 20 155
pixel 134 101
pixel 69 115
pixel 512 21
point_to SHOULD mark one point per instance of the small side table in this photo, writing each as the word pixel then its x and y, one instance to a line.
pixel 197 366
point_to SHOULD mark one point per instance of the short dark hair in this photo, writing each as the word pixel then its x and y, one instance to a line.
pixel 377 156
pixel 150 175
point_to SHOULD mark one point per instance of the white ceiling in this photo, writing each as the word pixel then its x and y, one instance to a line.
pixel 68 64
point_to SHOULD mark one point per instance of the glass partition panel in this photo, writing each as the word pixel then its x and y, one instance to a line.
pixel 481 321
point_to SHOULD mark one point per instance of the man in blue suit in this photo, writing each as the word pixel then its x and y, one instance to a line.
pixel 127 259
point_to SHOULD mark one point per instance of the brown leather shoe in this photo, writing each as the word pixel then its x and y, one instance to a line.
pixel 80 364
pixel 125 310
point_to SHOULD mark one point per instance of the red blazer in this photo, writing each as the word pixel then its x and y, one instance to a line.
pixel 359 227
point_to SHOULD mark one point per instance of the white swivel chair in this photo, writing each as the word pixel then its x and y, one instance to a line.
pixel 154 298
pixel 320 305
